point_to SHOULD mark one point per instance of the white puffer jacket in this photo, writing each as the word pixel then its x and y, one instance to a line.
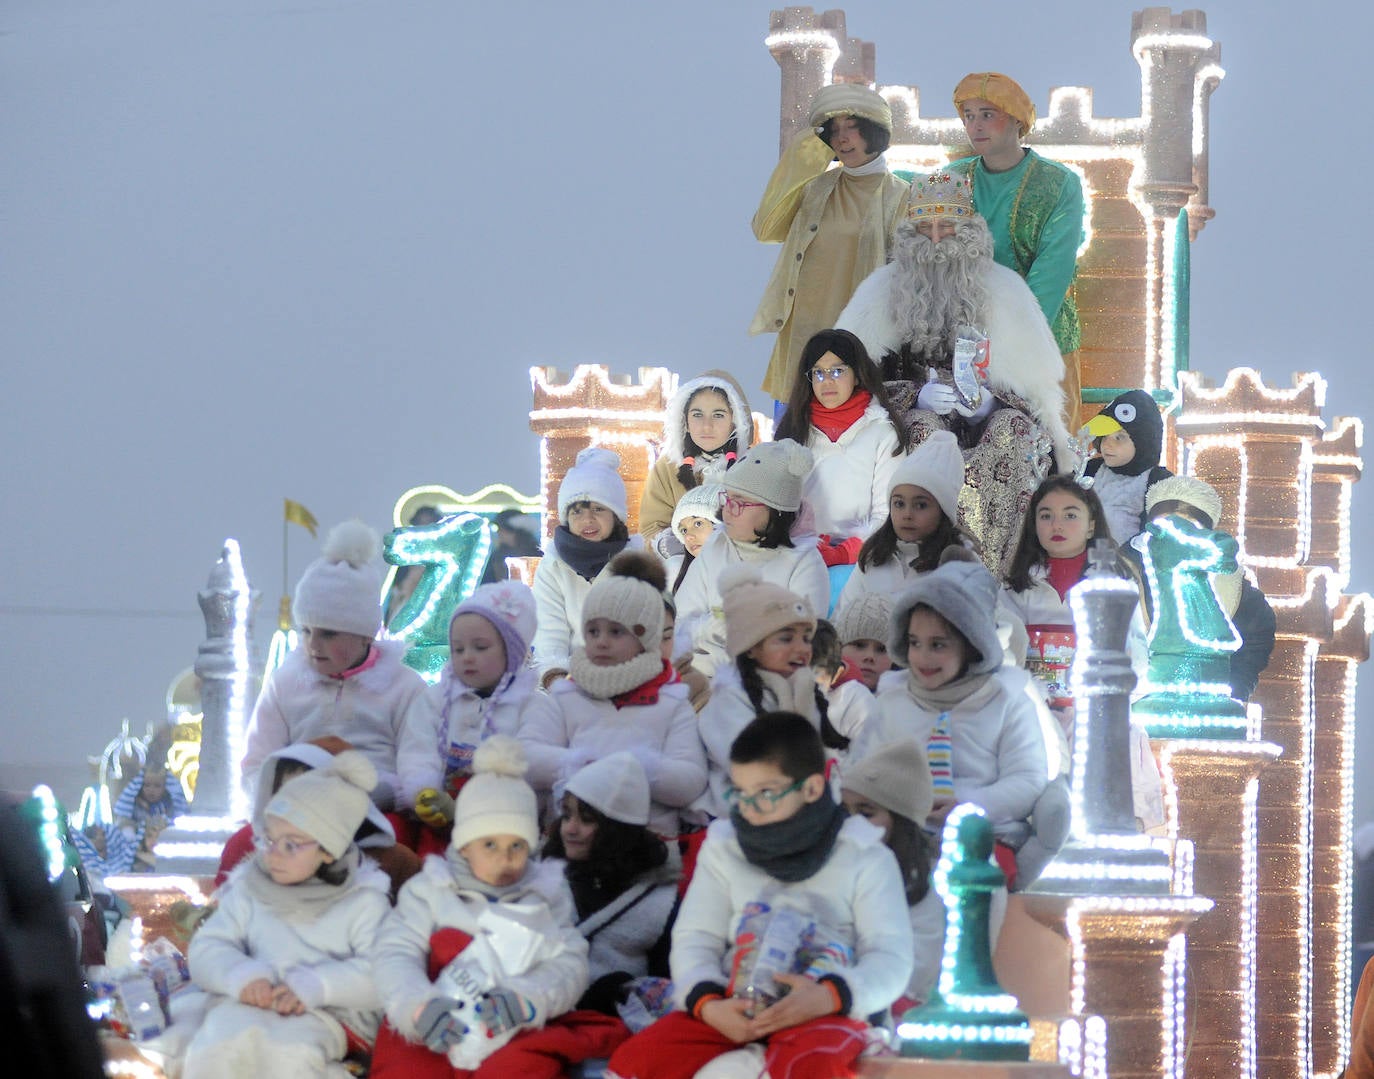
pixel 849 481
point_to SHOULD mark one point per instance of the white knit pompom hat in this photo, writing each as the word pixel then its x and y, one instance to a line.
pixel 701 501
pixel 595 477
pixel 496 800
pixel 341 590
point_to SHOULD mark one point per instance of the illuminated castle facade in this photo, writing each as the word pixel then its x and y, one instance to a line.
pixel 1245 969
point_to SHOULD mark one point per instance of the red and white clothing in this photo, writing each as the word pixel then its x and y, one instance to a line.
pixel 852 472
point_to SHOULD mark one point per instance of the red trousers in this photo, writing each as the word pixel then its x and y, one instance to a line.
pixel 677 1046
pixel 533 1054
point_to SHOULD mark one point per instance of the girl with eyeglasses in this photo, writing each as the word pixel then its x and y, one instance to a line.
pixel 287 953
pixel 758 512
pixel 768 635
pixel 839 410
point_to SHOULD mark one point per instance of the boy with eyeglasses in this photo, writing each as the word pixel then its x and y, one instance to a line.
pixel 787 846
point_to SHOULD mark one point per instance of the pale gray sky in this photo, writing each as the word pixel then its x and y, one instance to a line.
pixel 257 249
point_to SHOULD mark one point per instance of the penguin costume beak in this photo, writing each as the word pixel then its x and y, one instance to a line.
pixel 1102 424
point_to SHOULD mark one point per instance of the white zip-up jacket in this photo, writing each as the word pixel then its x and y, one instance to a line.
pixel 850 479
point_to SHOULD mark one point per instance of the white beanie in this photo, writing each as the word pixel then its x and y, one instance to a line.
pixel 496 800
pixel 341 590
pixel 938 466
pixel 867 617
pixel 772 472
pixel 329 803
pixel 615 786
pixel 1188 489
pixel 895 776
pixel 754 608
pixel 701 501
pixel 594 478
pixel 630 593
pixel 509 606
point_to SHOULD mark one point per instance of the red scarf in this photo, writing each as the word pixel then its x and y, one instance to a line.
pixel 1064 573
pixel 833 422
pixel 648 692
pixel 849 673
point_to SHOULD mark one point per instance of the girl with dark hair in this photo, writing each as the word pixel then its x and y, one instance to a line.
pixel 1052 554
pixel 839 411
pixel 623 877
pixel 835 225
pixel 706 427
pixel 922 520
pixel 762 497
pixel 768 636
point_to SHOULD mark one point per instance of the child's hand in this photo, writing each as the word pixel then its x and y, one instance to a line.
pixel 808 1000
pixel 259 993
pixel 434 807
pixel 730 1016
pixel 438 1026
pixel 502 1009
pixel 285 1002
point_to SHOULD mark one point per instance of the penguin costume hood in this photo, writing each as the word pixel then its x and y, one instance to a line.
pixel 1136 413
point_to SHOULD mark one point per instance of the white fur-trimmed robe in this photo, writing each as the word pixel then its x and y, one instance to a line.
pixel 1024 358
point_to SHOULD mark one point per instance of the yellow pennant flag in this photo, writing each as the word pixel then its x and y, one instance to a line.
pixel 299 515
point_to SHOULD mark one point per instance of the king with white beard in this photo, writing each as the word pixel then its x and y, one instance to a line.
pixel 942 281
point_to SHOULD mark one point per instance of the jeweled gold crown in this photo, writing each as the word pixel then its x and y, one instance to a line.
pixel 940 194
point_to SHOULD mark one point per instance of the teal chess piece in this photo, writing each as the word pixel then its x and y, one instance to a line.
pixel 1191 637
pixel 453 553
pixel 969 1016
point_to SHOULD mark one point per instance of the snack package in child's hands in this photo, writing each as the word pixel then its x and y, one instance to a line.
pixel 139 1007
pixel 770 941
pixel 971 353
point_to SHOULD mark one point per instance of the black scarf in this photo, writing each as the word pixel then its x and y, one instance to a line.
pixel 586 557
pixel 796 848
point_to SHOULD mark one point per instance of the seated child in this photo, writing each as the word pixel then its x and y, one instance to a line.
pixel 891 789
pixel 768 635
pixel 1128 435
pixel 375 837
pixel 287 949
pixel 862 625
pixel 922 520
pixel 980 728
pixel 706 427
pixel 622 694
pixel 787 849
pixel 848 700
pixel 1242 601
pixel 146 807
pixel 762 500
pixel 623 877
pixel 696 518
pixel 591 531
pixel 487 687
pixel 339 680
pixel 480 960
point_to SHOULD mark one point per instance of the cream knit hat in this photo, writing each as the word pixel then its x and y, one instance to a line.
pixel 1189 489
pixel 702 501
pixel 754 608
pixel 867 617
pixel 329 803
pixel 772 472
pixel 595 477
pixel 630 593
pixel 616 786
pixel 895 776
pixel 342 589
pixel 938 466
pixel 496 800
pixel 849 99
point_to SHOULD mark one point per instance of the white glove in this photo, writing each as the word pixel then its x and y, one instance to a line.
pixel 982 409
pixel 938 398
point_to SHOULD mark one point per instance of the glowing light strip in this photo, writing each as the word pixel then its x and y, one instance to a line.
pixel 236 720
pixel 627 416
pixel 1304 382
pixel 1249 928
pixel 585 377
pixel 156 882
pixel 448 569
pixel 802 39
pixel 49 831
pixel 211 851
pixel 1311 650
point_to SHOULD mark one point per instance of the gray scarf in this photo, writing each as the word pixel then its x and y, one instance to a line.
pixel 796 848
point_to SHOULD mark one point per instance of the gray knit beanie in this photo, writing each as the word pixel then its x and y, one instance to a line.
pixel 772 472
pixel 964 594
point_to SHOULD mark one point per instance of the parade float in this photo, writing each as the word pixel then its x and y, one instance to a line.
pixel 1223 946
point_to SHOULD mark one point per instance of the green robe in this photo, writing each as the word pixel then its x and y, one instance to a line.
pixel 1035 212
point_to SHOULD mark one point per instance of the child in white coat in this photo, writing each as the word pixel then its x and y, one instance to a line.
pixel 480 960
pixel 487 687
pixel 922 519
pixel 981 729
pixel 762 500
pixel 287 948
pixel 838 409
pixel 862 625
pixel 340 680
pixel 768 635
pixel 591 531
pixel 623 695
